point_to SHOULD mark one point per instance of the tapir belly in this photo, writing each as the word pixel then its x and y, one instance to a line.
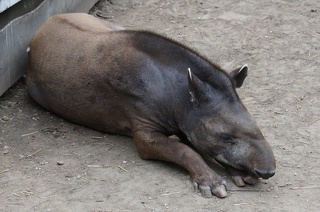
pixel 82 107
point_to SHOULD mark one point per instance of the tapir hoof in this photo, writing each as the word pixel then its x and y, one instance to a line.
pixel 207 191
pixel 220 191
pixel 242 181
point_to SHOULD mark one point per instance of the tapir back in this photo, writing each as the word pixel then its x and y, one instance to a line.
pixel 68 65
pixel 84 69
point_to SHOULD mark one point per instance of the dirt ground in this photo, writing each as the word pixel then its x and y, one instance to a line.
pixel 49 164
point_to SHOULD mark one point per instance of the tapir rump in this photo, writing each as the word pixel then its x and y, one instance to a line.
pixel 147 86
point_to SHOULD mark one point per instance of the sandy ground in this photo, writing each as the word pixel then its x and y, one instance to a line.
pixel 49 164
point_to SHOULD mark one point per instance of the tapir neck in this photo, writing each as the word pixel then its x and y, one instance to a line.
pixel 168 83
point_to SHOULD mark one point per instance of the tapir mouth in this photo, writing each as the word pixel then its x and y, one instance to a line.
pixel 223 162
pixel 237 169
pixel 244 171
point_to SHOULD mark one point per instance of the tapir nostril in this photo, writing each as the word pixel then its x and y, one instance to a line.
pixel 264 174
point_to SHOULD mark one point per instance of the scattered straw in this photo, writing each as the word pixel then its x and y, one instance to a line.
pixel 123 168
pixel 95 166
pixel 29 134
pixel 318 119
pixel 143 203
pixel 168 194
pixel 16 194
pixel 32 154
pixel 243 203
pixel 6 170
pixel 305 187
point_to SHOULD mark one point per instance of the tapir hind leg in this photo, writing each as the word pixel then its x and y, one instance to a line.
pixel 37 93
pixel 155 145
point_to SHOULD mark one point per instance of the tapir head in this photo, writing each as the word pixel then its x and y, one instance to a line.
pixel 221 128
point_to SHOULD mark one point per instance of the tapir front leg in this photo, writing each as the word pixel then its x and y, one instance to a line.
pixel 155 145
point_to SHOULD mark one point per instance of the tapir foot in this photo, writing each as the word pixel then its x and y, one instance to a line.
pixel 210 184
pixel 240 178
pixel 242 181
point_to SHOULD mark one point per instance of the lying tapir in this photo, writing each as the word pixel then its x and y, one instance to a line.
pixel 144 85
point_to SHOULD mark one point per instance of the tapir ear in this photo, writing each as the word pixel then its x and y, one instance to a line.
pixel 197 88
pixel 238 75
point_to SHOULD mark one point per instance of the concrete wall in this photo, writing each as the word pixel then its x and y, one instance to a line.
pixel 15 36
pixel 5 4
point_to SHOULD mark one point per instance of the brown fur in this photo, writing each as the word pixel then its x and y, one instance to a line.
pixel 136 83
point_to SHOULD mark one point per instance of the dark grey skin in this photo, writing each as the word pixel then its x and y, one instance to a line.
pixel 144 85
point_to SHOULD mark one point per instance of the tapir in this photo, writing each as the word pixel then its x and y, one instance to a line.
pixel 145 85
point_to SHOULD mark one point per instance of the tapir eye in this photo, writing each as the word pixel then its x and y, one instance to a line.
pixel 227 138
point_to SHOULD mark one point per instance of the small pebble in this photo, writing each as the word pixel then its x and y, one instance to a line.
pixel 60 163
pixel 5 118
